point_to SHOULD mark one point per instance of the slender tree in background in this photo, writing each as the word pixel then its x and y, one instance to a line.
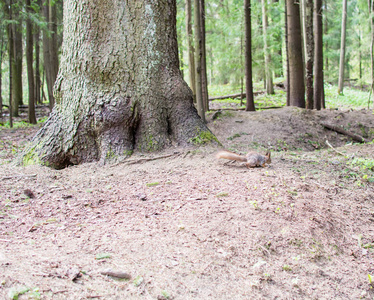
pixel 287 54
pixel 295 55
pixel 190 49
pixel 267 55
pixel 371 14
pixel 1 62
pixel 204 77
pixel 8 9
pixel 250 105
pixel 29 60
pixel 198 55
pixel 309 58
pixel 18 56
pixel 119 87
pixel 37 61
pixel 318 56
pixel 50 47
pixel 342 48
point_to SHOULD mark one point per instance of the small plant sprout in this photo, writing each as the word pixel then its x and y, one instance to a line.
pixel 371 280
pixel 286 268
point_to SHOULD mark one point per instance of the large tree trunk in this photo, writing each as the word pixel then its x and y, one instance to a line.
pixel 295 55
pixel 119 88
pixel 191 50
pixel 250 105
pixel 342 48
pixel 30 70
pixel 309 58
pixel 267 56
pixel 318 56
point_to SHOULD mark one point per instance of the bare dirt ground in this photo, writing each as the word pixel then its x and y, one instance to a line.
pixel 188 226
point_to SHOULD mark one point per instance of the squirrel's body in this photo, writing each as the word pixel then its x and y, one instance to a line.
pixel 251 159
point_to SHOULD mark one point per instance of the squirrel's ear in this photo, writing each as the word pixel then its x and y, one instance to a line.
pixel 267 153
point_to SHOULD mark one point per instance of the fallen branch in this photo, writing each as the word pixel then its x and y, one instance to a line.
pixel 233 96
pixel 242 108
pixel 17 176
pixel 141 160
pixel 338 129
pixel 328 144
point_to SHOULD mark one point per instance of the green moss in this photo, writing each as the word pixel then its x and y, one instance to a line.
pixel 203 137
pixel 127 153
pixel 31 158
pixel 111 155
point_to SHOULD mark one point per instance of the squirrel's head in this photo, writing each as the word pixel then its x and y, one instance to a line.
pixel 268 157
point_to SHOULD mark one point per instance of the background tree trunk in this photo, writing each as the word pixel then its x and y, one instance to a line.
pixel 309 58
pixel 371 14
pixel 30 70
pixel 342 48
pixel 11 59
pixel 288 102
pixel 50 48
pixel 17 70
pixel 204 77
pixel 250 105
pixel 267 55
pixel 198 55
pixel 119 87
pixel 318 56
pixel 295 55
pixel 1 73
pixel 191 50
pixel 37 62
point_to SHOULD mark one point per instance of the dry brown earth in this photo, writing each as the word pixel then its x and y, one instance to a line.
pixel 190 227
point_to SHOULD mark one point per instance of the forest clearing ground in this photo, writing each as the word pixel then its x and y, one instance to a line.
pixel 191 227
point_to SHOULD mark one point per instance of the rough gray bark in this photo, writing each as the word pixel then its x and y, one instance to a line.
pixel 250 105
pixel 318 56
pixel 191 50
pixel 342 48
pixel 309 58
pixel 296 89
pixel 30 70
pixel 119 88
pixel 267 56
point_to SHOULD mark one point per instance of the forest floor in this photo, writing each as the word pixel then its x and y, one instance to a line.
pixel 186 226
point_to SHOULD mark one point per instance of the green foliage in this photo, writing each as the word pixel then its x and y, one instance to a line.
pixel 14 293
pixel 352 98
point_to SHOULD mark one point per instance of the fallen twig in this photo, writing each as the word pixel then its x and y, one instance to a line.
pixel 18 176
pixel 141 160
pixel 328 144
